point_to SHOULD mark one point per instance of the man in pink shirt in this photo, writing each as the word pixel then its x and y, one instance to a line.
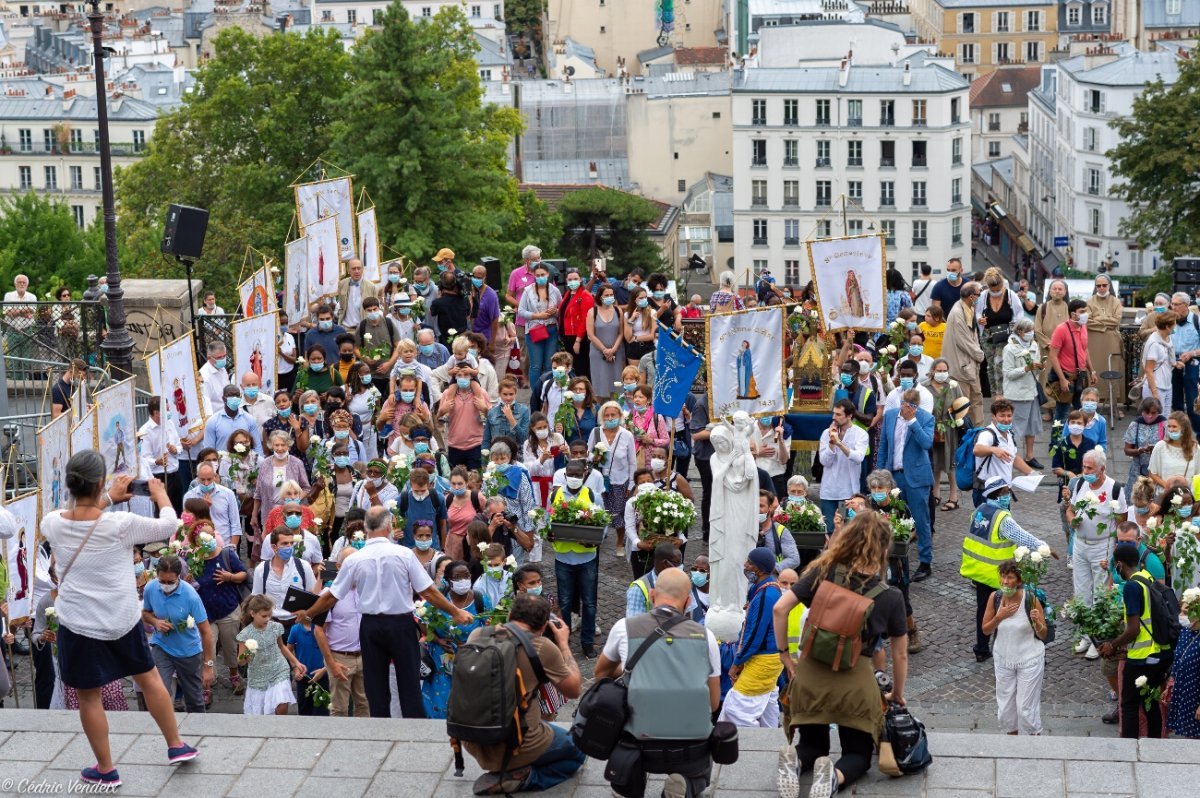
pixel 521 278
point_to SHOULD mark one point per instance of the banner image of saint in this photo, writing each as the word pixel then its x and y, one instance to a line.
pixel 54 449
pixel 254 350
pixel 257 294
pixel 745 362
pixel 295 280
pixel 116 424
pixel 745 373
pixel 848 275
pixel 20 553
pixel 330 199
pixel 324 268
pixel 180 387
pixel 368 246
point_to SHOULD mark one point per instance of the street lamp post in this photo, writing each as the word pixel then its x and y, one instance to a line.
pixel 118 344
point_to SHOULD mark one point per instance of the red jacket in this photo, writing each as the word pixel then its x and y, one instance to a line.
pixel 573 313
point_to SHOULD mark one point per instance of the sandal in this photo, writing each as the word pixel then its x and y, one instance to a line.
pixel 950 505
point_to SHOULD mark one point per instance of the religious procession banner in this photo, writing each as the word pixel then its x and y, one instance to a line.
pixel 324 269
pixel 368 246
pixel 675 367
pixel 295 280
pixel 54 450
pixel 257 294
pixel 255 349
pixel 329 199
pixel 20 553
pixel 848 278
pixel 116 427
pixel 745 362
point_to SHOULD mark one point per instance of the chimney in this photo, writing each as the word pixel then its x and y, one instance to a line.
pixel 844 73
pixel 907 73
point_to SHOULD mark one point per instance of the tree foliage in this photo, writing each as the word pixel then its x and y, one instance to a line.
pixel 39 238
pixel 414 131
pixel 599 221
pixel 1158 162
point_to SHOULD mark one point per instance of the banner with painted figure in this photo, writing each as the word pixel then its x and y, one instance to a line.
pixel 368 246
pixel 745 362
pixel 848 275
pixel 20 554
pixel 255 350
pixel 83 432
pixel 324 268
pixel 116 430
pixel 675 367
pixel 329 199
pixel 257 293
pixel 295 280
pixel 180 387
pixel 54 450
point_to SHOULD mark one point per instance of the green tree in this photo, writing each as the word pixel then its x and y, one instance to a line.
pixel 414 130
pixel 524 16
pixel 1158 162
pixel 260 114
pixel 39 238
pixel 599 221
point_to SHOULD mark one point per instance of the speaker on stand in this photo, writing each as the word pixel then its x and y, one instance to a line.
pixel 1186 273
pixel 493 277
pixel 183 237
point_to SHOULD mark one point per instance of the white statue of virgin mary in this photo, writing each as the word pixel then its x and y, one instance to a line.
pixel 733 530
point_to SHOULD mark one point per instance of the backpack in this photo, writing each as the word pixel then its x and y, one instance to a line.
pixel 260 574
pixel 1164 612
pixel 1032 592
pixel 965 472
pixel 908 741
pixel 836 620
pixel 488 701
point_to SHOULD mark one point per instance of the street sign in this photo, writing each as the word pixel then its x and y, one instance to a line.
pixel 1061 241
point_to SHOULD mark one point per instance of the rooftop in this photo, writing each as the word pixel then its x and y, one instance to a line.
pixel 79 108
pixel 997 4
pixel 1007 87
pixel 684 84
pixel 701 56
pixel 1154 14
pixel 1131 68
pixel 925 79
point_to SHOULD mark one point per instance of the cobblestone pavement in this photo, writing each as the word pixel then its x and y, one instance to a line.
pixel 946 686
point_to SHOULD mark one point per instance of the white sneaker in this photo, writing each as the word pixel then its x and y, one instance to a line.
pixel 1083 645
pixel 675 786
pixel 620 554
pixel 825 780
pixel 1092 653
pixel 787 777
pixel 1070 565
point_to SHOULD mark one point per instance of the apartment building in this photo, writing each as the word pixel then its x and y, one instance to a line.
pixel 985 34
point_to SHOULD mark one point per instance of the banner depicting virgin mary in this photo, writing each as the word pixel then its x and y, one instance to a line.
pixel 848 275
pixel 745 362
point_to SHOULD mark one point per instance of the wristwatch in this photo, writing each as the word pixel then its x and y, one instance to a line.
pixel 208 663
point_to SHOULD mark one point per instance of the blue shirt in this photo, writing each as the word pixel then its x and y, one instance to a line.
pixel 440 355
pixel 1185 337
pixel 946 293
pixel 431 508
pixel 327 341
pixel 175 608
pixel 220 426
pixel 224 511
pixel 497 424
pixel 758 634
pixel 307 650
pixel 220 598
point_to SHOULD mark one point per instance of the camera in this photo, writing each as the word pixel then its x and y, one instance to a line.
pixel 140 487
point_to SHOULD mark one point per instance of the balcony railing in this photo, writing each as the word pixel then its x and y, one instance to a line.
pixel 919 160
pixel 791 202
pixel 758 120
pixel 852 161
pixel 822 162
pixel 887 162
pixel 921 122
pixel 920 242
pixel 80 148
pixel 918 202
pixel 854 121
pixel 993 126
pixel 758 202
pixel 887 121
pixel 758 161
pixel 759 241
pixel 887 202
pixel 791 121
pixel 824 202
pixel 791 241
pixel 823 121
pixel 791 161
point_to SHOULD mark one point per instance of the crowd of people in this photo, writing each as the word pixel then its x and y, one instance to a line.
pixel 398 474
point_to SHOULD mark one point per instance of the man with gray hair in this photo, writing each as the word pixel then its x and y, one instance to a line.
pixel 962 351
pixel 520 279
pixel 222 503
pixel 1186 340
pixel 214 376
pixel 385 577
pixel 1093 530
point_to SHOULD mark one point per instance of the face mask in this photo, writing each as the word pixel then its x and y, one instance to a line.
pixel 285 552
pixel 534 591
pixel 912 325
pixel 847 379
pixel 424 545
pixel 1004 427
pixel 1088 407
pixel 954 277
pixel 995 294
pixel 1185 511
pixel 365 379
pixel 292 521
pixel 421 447
pixel 630 285
pixel 292 500
pixel 1027 338
pixel 796 500
pixel 611 423
pixel 864 367
pixel 426 349
pixel 574 483
pixel 751 576
pixel 285 412
pixel 393 278
pixel 441 267
pixel 941 376
pixel 341 461
pixel 643 303
pixel 906 383
pixel 1102 292
pixel 1142 510
pixel 376 481
pixel 657 464
pixel 187 518
pixel 139 568
pixel 766 421
pixel 407 396
pixel 849 513
pixel 578 397
pixel 542 280
pixel 658 294
pixel 699 578
pixel 1090 478
pixel 458 491
pixel 542 434
pixel 325 326
pixel 341 434
pixel 629 386
pixel 169 589
pixel 572 284
pixel 916 350
pixel 1007 591
pixel 1174 435
pixel 420 497
pixel 494 573
pixel 346 357
pixel 460 586
pixel 1159 309
pixel 358 544
pixel 477 282
pixel 1075 429
pixel 251 393
pixel 762 518
pixel 317 367
pixel 609 301
pixel 234 403
pixel 208 488
pixel 463 383
pixel 1002 502
pixel 1083 317
pixel 311 409
pixel 879 498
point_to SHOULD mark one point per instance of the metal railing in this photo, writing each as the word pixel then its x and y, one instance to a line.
pixel 213 328
pixel 53 331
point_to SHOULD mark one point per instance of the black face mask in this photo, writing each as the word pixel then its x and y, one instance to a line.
pixel 347 357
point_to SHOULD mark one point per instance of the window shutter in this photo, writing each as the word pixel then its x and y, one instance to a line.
pixel 959 21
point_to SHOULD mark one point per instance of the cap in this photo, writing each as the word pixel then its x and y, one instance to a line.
pixel 994 484
pixel 763 559
pixel 402 298
pixel 445 253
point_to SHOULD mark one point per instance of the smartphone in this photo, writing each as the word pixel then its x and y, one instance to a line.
pixel 140 487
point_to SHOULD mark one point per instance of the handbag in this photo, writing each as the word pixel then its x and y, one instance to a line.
pixel 908 741
pixel 539 333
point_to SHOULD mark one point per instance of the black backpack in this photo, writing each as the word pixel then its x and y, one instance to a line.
pixel 1164 612
pixel 488 692
pixel 910 745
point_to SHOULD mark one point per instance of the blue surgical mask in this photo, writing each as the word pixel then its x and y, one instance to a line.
pixel 365 379
pixel 251 393
pixel 912 325
pixel 609 300
pixel 285 552
pixel 477 282
pixel 421 447
pixel 285 412
pixel 879 498
pixel 463 383
pixel 317 367
pixel 358 544
pixel 325 325
pixel 906 383
pixel 796 500
pixel 1174 435
pixel 291 521
pixel 139 568
pixel 1185 511
pixel 292 500
pixel 220 363
pixel 1088 407
pixel 846 379
pixel 849 513
pixel 1142 510
pixel 643 303
pixel 1004 427
pixel 534 591
pixel 393 278
pixel 629 386
pixel 572 284
pixel 541 280
pixel 1003 502
pixel 408 396
pixel 374 315
pixel 630 285
pixel 341 461
pixel 208 488
pixel 658 294
pixel 473 353
pixel 341 434
pixel 423 545
pixel 611 423
pixel 458 491
pixel 404 310
pixel 699 578
pixel 1159 309
pixel 954 277
pixel 426 349
pixel 234 403
pixel 311 409
pixel 1089 478
pixel 916 350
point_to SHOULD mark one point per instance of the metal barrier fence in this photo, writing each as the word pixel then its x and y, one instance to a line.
pixel 53 331
pixel 213 328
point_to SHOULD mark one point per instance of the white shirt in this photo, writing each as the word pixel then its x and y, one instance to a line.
pixel 275 587
pixel 287 346
pixel 261 410
pixel 766 437
pixel 841 477
pixel 895 397
pixel 923 367
pixel 98 598
pixel 986 468
pixel 923 291
pixel 901 433
pixel 1106 514
pixel 212 385
pixel 385 576
pixel 154 439
pixel 353 312
pixel 312 549
pixel 216 311
pixel 594 482
pixel 616 647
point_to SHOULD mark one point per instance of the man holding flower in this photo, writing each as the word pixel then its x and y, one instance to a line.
pixel 182 643
pixel 1094 509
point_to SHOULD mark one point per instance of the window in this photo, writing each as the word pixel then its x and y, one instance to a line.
pixel 48 139
pixel 26 138
pixel 919 119
pixel 1093 101
pixel 887 193
pixel 681 186
pixel 993 149
pixel 352 15
pixel 497 12
pixel 485 75
pixel 854 113
pixel 887 113
pixel 1096 221
pixel 1093 258
pixel 97 184
pixel 918 195
pixel 823 113
pixel 791 112
pixel 760 266
pixel 854 190
pixel 791 272
pixel 1174 8
pixel 758 193
pixel 1074 14
pixel 822 152
pixel 956 191
pixel 1033 52
pixel 426 11
pixel 1095 181
pixel 76 178
pixel 791 232
pixel 1089 139
pixel 377 16
pixel 77 212
pixel 327 15
pixel 854 227
pixel 966 53
pixel 1137 260
pixel 824 228
pixel 919 153
pixel 1003 52
pixel 824 193
pixel 791 193
pixel 476 11
pixel 758 152
pixel 758 112
pixel 887 153
pixel 966 23
pixel 716 114
pixel 993 121
pixel 1000 24
pixel 760 233
pixel 791 152
pixel 920 233
pixel 26 177
pixel 139 140
pixel 956 152
pixel 956 230
pixel 955 115
pixel 1033 21
pixel 888 228
pixel 854 149
pixel 51 177
pixel 76 140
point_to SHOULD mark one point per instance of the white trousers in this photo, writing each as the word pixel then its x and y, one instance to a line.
pixel 751 710
pixel 1087 573
pixel 1019 695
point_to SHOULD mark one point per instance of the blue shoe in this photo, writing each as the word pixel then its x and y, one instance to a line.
pixel 181 753
pixel 92 775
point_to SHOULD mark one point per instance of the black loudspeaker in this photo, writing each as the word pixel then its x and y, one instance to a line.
pixel 493 273
pixel 1187 274
pixel 558 270
pixel 183 235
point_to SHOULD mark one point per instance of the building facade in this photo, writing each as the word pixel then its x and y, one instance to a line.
pixel 831 151
pixel 985 34
pixel 999 109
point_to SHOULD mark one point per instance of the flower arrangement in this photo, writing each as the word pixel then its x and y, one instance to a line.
pixel 251 647
pixel 804 517
pixel 663 513
pixel 418 307
pixel 1150 695
pixel 494 480
pixel 318 695
pixel 599 454
pixel 1033 564
pixel 508 316
pixel 321 455
pixel 902 528
pixel 887 359
pixel 1089 506
pixel 540 519
pixel 1191 604
pixel 1104 620
pixel 242 474
pixel 1185 554
pixel 399 469
pixel 804 322
pixel 373 351
pixel 578 512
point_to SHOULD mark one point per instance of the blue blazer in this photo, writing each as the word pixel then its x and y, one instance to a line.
pixel 918 470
